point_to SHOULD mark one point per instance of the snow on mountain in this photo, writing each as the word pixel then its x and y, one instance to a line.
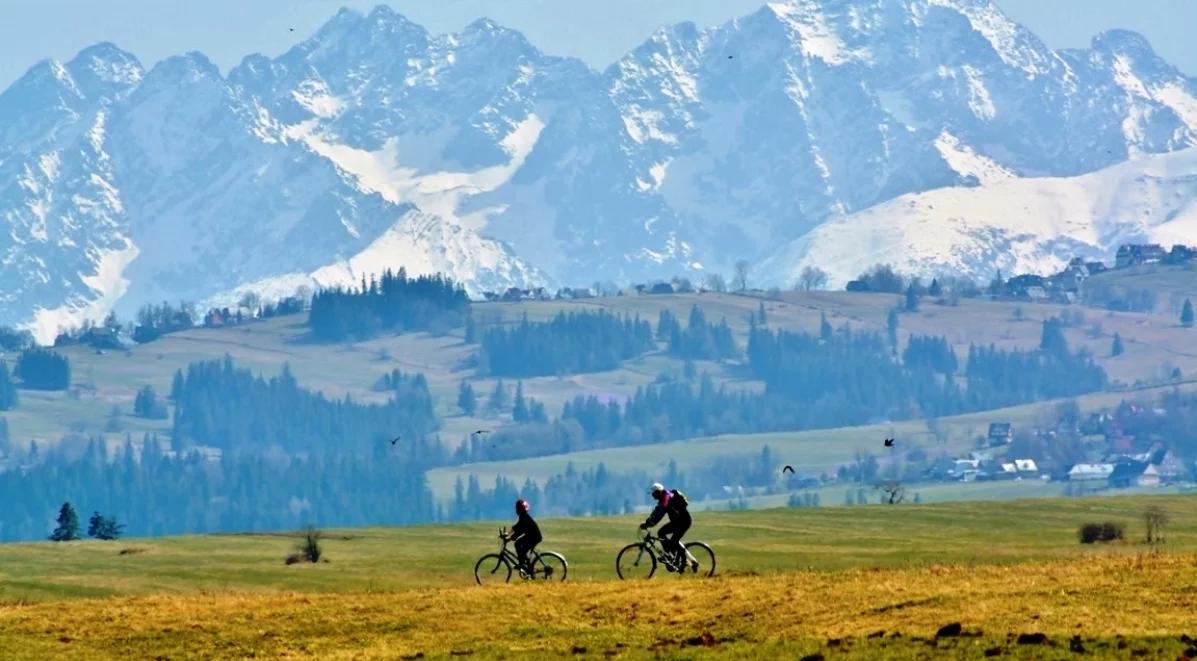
pixel 376 144
pixel 1028 225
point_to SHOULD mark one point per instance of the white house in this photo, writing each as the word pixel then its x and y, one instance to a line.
pixel 1085 472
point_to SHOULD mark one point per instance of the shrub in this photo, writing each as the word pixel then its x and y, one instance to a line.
pixel 1100 532
pixel 309 549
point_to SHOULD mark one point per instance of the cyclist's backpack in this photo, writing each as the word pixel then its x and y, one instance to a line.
pixel 678 499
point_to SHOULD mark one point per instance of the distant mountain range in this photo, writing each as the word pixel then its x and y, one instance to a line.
pixel 935 134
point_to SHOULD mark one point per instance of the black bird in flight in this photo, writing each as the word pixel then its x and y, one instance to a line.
pixel 730 56
pixel 889 442
pixel 291 29
pixel 481 431
pixel 395 440
pixel 787 468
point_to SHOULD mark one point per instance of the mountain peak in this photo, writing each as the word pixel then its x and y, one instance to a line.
pixel 104 66
pixel 1123 42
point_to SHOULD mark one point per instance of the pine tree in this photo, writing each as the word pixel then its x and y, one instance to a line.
pixel 825 327
pixel 498 397
pixel 935 289
pixel 912 300
pixel 8 390
pixel 466 400
pixel 145 404
pixel 104 527
pixel 519 409
pixel 68 525
pixel 1186 314
pixel 471 332
pixel 1116 350
pixel 891 327
pixel 761 318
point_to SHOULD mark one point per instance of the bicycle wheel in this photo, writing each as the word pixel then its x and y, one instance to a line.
pixel 635 561
pixel 549 566
pixel 705 557
pixel 492 568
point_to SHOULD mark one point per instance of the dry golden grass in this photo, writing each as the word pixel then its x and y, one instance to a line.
pixel 1141 602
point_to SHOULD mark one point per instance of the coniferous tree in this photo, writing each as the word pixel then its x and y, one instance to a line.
pixel 891 328
pixel 935 289
pixel 1052 341
pixel 519 408
pixel 1186 314
pixel 43 369
pixel 498 397
pixel 146 405
pixel 1116 349
pixel 68 525
pixel 104 527
pixel 912 299
pixel 8 390
pixel 761 318
pixel 471 332
pixel 466 400
pixel 825 330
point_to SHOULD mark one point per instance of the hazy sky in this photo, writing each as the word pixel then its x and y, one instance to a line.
pixel 598 31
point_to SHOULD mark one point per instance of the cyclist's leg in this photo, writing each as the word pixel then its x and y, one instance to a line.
pixel 683 525
pixel 522 546
pixel 667 534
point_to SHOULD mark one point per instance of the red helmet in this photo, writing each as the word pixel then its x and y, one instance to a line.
pixel 522 506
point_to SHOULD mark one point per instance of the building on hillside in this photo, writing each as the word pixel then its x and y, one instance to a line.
pixel 661 288
pixel 1181 254
pixel 1136 254
pixel 858 286
pixel 1090 472
pixel 1127 474
pixel 1000 433
pixel 1150 477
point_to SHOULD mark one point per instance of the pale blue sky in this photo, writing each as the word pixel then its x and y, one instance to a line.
pixel 598 31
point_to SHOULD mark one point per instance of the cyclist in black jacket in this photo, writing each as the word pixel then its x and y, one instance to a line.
pixel 525 532
pixel 671 503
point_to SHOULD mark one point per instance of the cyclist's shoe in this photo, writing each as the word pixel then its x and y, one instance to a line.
pixel 694 566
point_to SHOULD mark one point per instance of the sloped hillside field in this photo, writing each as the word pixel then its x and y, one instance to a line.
pixel 961 580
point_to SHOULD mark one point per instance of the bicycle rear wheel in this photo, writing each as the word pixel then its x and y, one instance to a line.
pixel 549 566
pixel 635 561
pixel 492 568
pixel 705 557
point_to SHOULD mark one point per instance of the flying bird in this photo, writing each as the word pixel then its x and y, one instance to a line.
pixel 395 440
pixel 291 29
pixel 787 468
pixel 889 442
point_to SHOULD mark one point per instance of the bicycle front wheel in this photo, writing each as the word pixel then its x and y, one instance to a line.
pixel 549 566
pixel 635 561
pixel 705 558
pixel 492 568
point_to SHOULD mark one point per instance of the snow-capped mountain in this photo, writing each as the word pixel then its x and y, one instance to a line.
pixel 375 144
pixel 1019 225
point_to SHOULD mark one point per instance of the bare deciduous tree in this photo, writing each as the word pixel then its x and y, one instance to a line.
pixel 892 491
pixel 740 279
pixel 812 277
pixel 716 283
pixel 1155 518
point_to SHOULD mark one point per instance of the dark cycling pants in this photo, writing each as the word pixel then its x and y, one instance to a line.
pixel 671 533
pixel 522 546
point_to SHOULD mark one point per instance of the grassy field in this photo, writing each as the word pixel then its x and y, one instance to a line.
pixel 791 582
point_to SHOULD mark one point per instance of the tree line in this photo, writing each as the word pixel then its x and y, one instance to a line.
pixel 569 343
pixel 218 404
pixel 392 303
pixel 153 491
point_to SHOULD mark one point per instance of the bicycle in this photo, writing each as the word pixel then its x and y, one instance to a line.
pixel 543 566
pixel 640 560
